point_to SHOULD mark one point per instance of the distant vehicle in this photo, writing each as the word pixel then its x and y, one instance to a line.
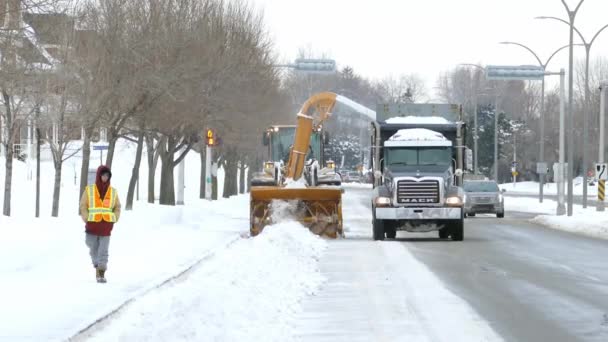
pixel 483 197
pixel 351 177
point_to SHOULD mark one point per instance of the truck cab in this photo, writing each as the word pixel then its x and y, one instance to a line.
pixel 419 157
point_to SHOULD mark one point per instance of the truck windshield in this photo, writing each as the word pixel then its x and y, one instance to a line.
pixel 419 156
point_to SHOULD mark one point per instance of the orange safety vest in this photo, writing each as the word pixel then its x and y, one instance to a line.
pixel 99 209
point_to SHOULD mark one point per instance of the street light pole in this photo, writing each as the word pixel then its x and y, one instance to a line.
pixel 561 208
pixel 475 104
pixel 496 138
pixel 541 157
pixel 600 160
pixel 586 105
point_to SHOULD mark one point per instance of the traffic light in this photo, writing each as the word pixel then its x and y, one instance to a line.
pixel 210 138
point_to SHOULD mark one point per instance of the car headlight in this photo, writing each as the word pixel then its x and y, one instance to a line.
pixel 383 201
pixel 454 200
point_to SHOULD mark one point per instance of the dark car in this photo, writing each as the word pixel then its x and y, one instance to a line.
pixel 484 197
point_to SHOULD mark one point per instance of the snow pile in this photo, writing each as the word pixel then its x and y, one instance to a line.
pixel 250 291
pixel 587 222
pixel 290 183
pixel 531 188
pixel 282 211
pixel 417 134
pixel 421 120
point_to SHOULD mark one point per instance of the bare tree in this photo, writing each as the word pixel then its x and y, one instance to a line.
pixel 408 88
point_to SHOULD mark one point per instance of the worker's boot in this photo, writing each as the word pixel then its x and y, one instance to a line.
pixel 98 275
pixel 102 274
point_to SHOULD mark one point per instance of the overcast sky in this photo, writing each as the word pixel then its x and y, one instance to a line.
pixel 382 37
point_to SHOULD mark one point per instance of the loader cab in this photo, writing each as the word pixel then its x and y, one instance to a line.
pixel 279 140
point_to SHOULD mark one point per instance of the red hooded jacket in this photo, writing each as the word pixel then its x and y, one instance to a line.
pixel 102 228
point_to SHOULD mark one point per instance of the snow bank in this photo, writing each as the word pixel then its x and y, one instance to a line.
pixel 48 290
pixel 423 120
pixel 583 221
pixel 531 188
pixel 250 291
pixel 587 222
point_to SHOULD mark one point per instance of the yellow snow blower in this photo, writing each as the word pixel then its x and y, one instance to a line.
pixel 318 208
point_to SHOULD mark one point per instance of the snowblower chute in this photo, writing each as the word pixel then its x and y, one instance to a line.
pixel 318 208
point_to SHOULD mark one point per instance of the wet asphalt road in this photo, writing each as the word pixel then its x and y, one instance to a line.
pixel 529 282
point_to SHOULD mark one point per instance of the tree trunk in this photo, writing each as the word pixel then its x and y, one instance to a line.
pixel 111 149
pixel 242 178
pixel 57 188
pixel 152 161
pixel 86 158
pixel 167 186
pixel 135 172
pixel 8 177
pixel 203 179
pixel 8 167
pixel 38 137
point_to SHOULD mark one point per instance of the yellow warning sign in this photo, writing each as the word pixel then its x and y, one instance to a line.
pixel 514 173
pixel 601 190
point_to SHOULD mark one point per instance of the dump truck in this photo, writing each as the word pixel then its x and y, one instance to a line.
pixel 419 159
pixel 317 207
pixel 279 139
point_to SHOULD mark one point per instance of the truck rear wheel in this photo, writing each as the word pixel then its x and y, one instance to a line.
pixel 457 230
pixel 378 227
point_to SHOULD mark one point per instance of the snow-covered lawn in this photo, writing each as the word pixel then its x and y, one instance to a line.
pixel 583 221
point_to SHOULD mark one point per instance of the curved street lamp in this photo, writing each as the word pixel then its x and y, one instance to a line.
pixel 544 65
pixel 572 15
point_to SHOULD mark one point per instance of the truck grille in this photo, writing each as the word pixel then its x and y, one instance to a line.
pixel 423 192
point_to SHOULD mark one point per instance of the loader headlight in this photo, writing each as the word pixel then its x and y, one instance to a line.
pixel 331 165
pixel 268 166
pixel 454 200
pixel 383 201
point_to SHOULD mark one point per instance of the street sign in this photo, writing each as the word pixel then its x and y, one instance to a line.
pixel 515 72
pixel 541 168
pixel 514 173
pixel 513 169
pixel 100 147
pixel 601 171
pixel 315 65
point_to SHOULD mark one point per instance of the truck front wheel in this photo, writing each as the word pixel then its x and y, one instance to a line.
pixel 391 230
pixel 457 230
pixel 378 227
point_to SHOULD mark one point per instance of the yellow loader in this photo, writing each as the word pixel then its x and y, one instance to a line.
pixel 318 208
